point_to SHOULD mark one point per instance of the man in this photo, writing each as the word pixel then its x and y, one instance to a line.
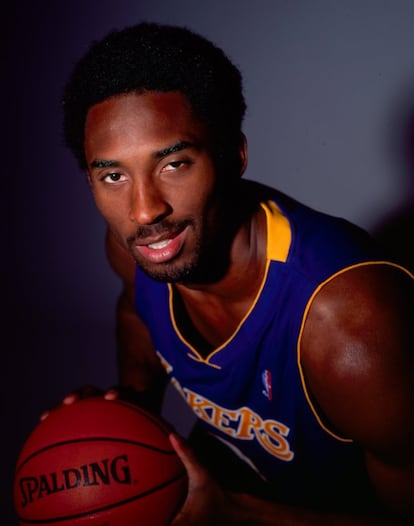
pixel 287 331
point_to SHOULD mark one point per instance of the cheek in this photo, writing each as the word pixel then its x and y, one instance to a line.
pixel 203 196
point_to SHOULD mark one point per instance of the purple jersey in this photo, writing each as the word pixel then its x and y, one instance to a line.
pixel 250 392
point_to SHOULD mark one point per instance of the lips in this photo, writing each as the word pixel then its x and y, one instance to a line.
pixel 163 250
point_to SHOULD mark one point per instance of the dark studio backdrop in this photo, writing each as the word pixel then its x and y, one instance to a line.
pixel 330 92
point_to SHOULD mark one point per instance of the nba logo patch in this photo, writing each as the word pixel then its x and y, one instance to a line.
pixel 267 383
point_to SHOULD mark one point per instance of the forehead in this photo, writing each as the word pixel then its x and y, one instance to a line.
pixel 150 117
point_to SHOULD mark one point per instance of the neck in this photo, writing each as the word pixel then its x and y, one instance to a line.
pixel 244 266
pixel 209 314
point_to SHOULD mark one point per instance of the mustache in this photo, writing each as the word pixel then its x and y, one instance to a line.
pixel 164 227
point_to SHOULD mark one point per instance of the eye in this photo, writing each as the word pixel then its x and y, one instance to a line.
pixel 113 178
pixel 174 165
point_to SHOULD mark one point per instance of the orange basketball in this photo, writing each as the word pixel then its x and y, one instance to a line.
pixel 99 462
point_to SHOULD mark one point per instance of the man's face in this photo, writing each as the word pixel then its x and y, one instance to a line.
pixel 153 177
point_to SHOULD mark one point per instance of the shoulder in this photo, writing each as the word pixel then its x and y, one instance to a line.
pixel 363 295
pixel 358 363
pixel 356 352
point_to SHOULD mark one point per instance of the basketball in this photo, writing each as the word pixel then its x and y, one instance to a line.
pixel 99 462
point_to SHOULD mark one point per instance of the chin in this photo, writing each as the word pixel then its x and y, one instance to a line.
pixel 170 272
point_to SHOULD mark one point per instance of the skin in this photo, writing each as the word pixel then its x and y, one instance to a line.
pixel 151 170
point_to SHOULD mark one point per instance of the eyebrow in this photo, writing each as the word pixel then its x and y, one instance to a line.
pixel 101 163
pixel 177 147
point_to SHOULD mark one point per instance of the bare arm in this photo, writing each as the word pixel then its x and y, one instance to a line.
pixel 138 366
pixel 358 363
pixel 358 360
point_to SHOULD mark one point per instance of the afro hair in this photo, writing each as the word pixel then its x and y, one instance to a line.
pixel 152 57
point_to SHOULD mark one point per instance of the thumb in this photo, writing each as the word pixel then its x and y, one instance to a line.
pixel 196 473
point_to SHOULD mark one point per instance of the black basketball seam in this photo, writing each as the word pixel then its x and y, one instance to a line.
pixel 93 439
pixel 105 508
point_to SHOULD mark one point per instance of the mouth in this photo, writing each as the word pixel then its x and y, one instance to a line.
pixel 160 250
pixel 160 244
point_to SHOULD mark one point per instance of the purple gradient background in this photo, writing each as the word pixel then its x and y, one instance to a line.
pixel 330 92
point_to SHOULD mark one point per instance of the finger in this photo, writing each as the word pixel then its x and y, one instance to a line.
pixel 111 394
pixel 89 390
pixel 83 392
pixel 123 392
pixel 182 450
pixel 67 400
pixel 70 398
pixel 195 471
pixel 44 415
pixel 86 391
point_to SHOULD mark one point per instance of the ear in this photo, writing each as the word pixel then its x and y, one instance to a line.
pixel 243 154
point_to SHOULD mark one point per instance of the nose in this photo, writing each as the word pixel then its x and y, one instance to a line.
pixel 148 205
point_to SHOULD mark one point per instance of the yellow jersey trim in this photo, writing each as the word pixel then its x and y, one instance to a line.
pixel 278 239
pixel 279 233
pixel 194 355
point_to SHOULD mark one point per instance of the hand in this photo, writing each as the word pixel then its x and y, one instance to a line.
pixel 151 400
pixel 83 392
pixel 117 392
pixel 207 504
